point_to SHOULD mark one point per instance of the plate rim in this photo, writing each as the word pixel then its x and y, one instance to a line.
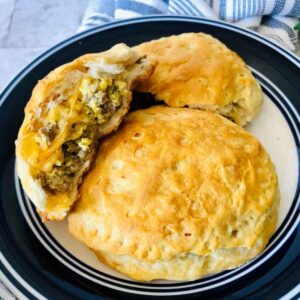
pixel 114 24
pixel 163 17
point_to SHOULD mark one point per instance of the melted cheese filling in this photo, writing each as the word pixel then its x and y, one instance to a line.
pixel 97 101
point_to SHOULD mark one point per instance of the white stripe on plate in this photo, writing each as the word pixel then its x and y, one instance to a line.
pixel 294 292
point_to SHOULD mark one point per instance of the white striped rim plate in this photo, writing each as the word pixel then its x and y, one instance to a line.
pixel 277 124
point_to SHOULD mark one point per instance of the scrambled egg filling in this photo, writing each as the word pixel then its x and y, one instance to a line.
pixel 98 100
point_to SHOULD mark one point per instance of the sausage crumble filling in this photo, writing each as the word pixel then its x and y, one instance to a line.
pixel 98 100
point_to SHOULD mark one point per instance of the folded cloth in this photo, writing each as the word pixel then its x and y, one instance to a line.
pixel 274 19
pixel 5 293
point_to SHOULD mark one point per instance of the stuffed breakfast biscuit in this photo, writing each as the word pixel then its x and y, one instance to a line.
pixel 177 194
pixel 198 71
pixel 69 110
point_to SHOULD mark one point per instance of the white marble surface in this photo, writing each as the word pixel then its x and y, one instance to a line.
pixel 6 10
pixel 29 27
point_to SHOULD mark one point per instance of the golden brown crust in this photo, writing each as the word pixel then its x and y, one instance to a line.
pixel 198 71
pixel 60 89
pixel 176 182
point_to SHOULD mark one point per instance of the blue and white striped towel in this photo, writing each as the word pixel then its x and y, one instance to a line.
pixel 274 19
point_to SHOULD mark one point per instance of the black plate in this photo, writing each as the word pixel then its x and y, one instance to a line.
pixel 36 266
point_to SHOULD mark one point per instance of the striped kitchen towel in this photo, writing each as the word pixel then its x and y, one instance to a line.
pixel 274 19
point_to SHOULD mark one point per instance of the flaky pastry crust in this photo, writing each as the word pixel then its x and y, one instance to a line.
pixel 198 71
pixel 177 194
pixel 54 115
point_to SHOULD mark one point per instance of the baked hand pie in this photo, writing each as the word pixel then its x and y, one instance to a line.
pixel 198 71
pixel 69 110
pixel 177 194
